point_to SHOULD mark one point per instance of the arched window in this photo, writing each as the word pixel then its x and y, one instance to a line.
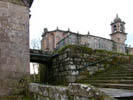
pixel 121 28
pixel 115 28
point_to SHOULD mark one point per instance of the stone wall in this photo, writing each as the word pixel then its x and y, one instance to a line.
pixel 72 92
pixel 120 37
pixel 14 45
pixel 99 43
pixel 91 41
pixel 73 64
pixel 130 51
pixel 51 38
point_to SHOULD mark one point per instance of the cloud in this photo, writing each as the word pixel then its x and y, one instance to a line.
pixel 80 15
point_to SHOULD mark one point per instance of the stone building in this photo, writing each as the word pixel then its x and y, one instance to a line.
pixel 56 39
pixel 14 44
pixel 51 38
pixel 130 51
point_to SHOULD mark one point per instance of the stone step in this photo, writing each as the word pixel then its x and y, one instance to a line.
pixel 117 93
pixel 125 98
pixel 109 81
pixel 128 68
pixel 112 75
pixel 129 65
pixel 116 86
pixel 121 71
pixel 123 68
pixel 111 78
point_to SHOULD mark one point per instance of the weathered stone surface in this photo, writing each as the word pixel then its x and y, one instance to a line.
pixel 52 92
pixel 20 2
pixel 72 92
pixel 14 45
pixel 117 92
pixel 65 70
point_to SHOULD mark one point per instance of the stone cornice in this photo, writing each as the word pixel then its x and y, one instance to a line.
pixel 118 33
pixel 27 3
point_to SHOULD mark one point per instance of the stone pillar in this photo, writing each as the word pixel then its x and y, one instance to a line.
pixel 14 44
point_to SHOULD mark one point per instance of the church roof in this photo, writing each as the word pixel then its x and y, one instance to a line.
pixel 56 30
pixel 117 19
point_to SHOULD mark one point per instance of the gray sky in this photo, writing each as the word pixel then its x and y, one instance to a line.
pixel 94 16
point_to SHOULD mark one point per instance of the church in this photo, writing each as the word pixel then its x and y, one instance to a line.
pixel 53 40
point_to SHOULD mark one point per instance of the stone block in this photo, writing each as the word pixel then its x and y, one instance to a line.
pixel 79 66
pixel 71 72
pixel 80 98
pixel 64 55
pixel 86 92
pixel 33 88
pixel 43 91
pixel 3 5
pixel 43 98
pixel 70 67
pixel 73 92
pixel 79 77
pixel 71 79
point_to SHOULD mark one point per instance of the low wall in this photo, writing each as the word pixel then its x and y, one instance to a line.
pixel 72 92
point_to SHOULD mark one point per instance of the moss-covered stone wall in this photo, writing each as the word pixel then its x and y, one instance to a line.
pixel 75 62
pixel 131 59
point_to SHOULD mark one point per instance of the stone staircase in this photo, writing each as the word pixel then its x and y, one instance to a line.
pixel 116 81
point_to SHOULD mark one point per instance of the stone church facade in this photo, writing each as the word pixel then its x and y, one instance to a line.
pixel 52 40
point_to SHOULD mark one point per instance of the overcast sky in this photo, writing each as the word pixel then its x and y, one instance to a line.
pixel 94 16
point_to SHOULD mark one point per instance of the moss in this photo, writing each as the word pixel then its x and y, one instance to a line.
pixel 11 97
pixel 19 2
pixel 84 49
pixel 27 98
pixel 42 71
pixel 75 48
pixel 70 97
pixel 131 59
pixel 104 58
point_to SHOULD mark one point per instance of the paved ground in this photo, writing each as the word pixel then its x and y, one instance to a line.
pixel 117 92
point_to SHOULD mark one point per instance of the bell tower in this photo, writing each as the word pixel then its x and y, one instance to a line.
pixel 118 31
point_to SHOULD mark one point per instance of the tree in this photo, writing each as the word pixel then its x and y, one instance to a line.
pixel 35 44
